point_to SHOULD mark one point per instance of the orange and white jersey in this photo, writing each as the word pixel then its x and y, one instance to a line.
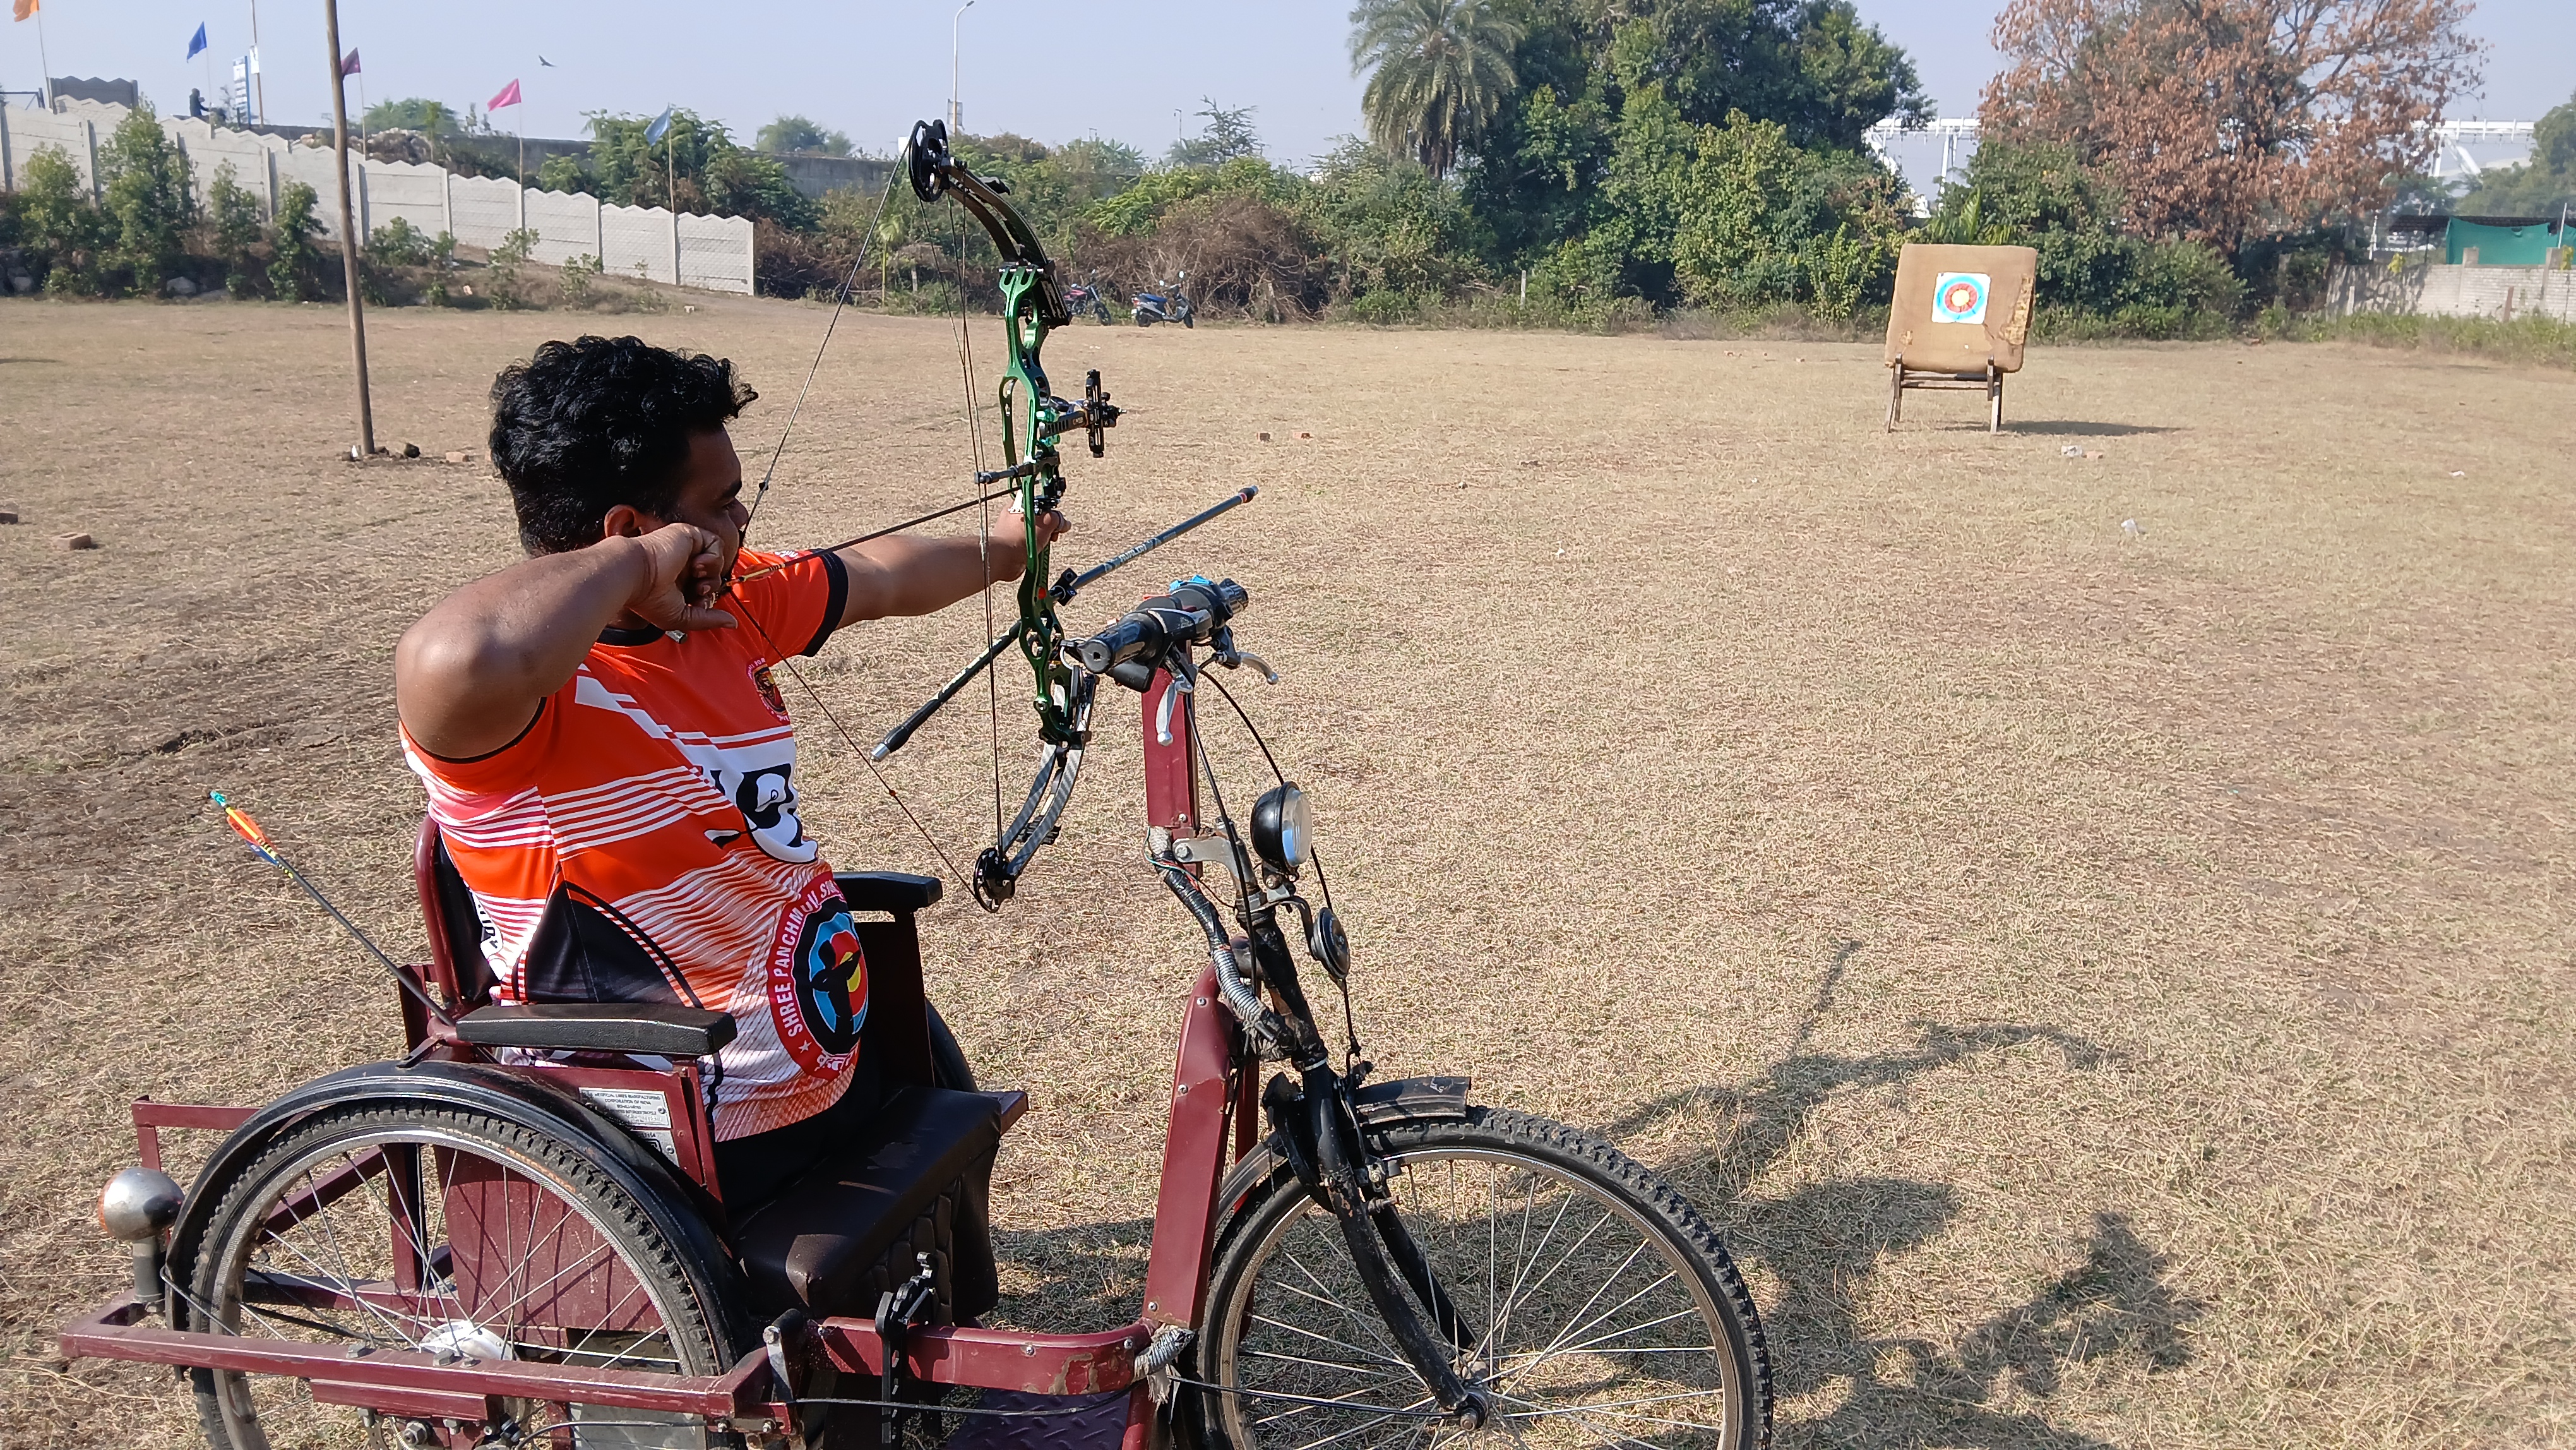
pixel 640 841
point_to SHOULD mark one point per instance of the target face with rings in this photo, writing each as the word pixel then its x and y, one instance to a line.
pixel 1959 297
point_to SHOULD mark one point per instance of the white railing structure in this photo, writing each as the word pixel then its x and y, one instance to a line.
pixel 1884 136
pixel 2450 137
pixel 652 243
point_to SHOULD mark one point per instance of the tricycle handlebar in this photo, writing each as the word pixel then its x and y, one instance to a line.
pixel 1190 614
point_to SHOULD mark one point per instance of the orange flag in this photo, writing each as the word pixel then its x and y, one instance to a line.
pixel 22 9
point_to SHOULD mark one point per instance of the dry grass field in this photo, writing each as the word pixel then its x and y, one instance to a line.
pixel 2095 932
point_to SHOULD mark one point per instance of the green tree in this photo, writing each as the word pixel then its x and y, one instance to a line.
pixel 713 174
pixel 1228 136
pixel 2093 271
pixel 1388 225
pixel 2540 185
pixel 1809 66
pixel 1092 168
pixel 1737 216
pixel 793 134
pixel 1139 208
pixel 62 230
pixel 566 174
pixel 232 225
pixel 294 264
pixel 1439 71
pixel 145 181
pixel 412 113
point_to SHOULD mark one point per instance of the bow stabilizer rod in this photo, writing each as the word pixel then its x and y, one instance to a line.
pixel 1072 583
pixel 1063 592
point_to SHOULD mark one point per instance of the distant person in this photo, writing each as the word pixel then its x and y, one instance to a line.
pixel 609 760
pixel 196 103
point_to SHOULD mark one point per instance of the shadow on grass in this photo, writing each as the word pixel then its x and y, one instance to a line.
pixel 2078 428
pixel 1824 1243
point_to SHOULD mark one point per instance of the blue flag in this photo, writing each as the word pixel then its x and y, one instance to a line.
pixel 198 45
pixel 661 127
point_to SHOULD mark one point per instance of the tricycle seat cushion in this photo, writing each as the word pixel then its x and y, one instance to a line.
pixel 819 1244
pixel 638 1029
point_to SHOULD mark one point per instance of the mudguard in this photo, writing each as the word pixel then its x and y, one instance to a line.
pixel 678 1207
pixel 1381 1105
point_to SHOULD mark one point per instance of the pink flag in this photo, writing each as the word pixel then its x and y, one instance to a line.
pixel 509 97
pixel 349 64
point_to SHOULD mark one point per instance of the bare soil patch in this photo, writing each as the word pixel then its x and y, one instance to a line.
pixel 2094 932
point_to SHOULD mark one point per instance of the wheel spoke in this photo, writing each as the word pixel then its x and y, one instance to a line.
pixel 1597 1342
pixel 1606 1281
pixel 1557 1346
pixel 1265 1320
pixel 1538 1411
pixel 1377 1419
pixel 1393 1355
pixel 1273 1354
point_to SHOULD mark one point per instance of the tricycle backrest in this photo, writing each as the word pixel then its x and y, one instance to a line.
pixel 457 967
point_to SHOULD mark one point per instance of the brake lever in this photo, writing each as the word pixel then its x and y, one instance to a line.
pixel 1224 651
pixel 1172 693
pixel 1237 659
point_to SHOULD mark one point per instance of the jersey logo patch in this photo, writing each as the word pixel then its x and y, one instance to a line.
pixel 762 681
pixel 818 982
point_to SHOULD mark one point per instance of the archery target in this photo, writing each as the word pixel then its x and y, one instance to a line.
pixel 1960 297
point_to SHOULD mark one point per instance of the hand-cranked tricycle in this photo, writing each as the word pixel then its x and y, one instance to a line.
pixel 515 1234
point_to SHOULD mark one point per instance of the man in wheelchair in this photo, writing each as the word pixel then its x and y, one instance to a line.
pixel 612 768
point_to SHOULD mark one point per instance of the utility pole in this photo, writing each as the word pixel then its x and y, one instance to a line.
pixel 349 231
pixel 956 111
pixel 44 58
pixel 259 74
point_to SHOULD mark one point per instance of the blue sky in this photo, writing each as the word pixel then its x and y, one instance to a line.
pixel 1119 68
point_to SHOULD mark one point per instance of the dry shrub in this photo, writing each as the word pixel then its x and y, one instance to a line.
pixel 796 264
pixel 1243 256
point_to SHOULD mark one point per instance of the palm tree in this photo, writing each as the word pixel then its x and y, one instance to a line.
pixel 1439 70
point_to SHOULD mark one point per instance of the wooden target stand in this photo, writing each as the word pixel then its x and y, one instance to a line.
pixel 1901 377
pixel 1960 318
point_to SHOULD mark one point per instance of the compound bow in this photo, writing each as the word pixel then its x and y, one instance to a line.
pixel 1033 419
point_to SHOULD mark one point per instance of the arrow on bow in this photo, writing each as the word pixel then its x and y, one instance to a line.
pixel 1033 419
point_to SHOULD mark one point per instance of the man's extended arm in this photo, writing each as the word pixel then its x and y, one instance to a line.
pixel 897 576
pixel 470 675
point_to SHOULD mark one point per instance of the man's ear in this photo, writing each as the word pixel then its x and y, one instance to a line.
pixel 625 521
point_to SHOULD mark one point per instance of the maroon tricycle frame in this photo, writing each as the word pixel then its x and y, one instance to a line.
pixel 1214 1085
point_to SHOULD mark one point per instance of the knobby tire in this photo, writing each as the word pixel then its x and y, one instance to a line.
pixel 1281 1257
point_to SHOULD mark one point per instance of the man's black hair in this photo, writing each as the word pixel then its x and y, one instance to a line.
pixel 600 421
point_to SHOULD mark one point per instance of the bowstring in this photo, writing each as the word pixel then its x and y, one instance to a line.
pixel 840 299
pixel 842 731
pixel 983 517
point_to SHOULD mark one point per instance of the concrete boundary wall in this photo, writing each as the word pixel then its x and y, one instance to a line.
pixel 2455 290
pixel 709 252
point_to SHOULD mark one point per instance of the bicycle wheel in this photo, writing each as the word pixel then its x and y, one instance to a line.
pixel 448 1232
pixel 1600 1308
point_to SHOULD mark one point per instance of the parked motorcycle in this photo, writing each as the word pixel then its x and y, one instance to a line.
pixel 1167 305
pixel 1087 296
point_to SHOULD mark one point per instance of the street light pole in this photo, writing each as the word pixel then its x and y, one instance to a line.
pixel 349 231
pixel 259 68
pixel 956 113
